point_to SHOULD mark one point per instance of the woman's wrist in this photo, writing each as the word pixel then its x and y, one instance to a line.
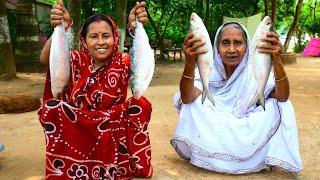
pixel 276 60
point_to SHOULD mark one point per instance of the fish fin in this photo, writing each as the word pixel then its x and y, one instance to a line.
pixel 253 101
pixel 203 97
pixel 262 102
pixel 209 95
pixel 205 94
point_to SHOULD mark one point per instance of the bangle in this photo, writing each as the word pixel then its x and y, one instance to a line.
pixel 187 77
pixel 129 30
pixel 278 80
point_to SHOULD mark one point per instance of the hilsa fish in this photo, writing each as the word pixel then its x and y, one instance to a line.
pixel 59 60
pixel 204 61
pixel 260 62
pixel 142 62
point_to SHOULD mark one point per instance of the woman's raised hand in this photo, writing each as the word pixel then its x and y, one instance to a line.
pixel 191 48
pixel 59 13
pixel 139 11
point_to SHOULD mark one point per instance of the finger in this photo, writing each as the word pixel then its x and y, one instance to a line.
pixel 197 53
pixel 267 51
pixel 140 10
pixel 133 10
pixel 192 41
pixel 133 24
pixel 56 17
pixel 142 14
pixel 54 23
pixel 189 36
pixel 273 34
pixel 143 3
pixel 143 20
pixel 57 12
pixel 197 45
pixel 266 46
pixel 272 40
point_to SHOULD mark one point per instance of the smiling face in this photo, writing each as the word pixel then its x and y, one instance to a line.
pixel 99 41
pixel 232 46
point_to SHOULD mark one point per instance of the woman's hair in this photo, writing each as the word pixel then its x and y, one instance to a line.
pixel 91 19
pixel 229 26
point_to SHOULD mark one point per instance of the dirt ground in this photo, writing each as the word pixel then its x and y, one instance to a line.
pixel 22 136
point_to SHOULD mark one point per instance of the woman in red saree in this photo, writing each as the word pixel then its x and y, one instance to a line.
pixel 91 130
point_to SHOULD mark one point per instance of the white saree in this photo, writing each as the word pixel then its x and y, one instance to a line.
pixel 230 137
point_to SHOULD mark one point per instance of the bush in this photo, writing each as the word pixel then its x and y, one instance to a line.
pixel 298 49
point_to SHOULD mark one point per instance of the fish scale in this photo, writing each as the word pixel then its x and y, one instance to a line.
pixel 260 62
pixel 142 62
pixel 59 60
pixel 204 61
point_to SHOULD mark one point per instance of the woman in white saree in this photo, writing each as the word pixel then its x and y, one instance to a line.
pixel 231 137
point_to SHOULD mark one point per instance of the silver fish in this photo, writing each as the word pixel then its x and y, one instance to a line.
pixel 59 61
pixel 204 61
pixel 142 62
pixel 260 62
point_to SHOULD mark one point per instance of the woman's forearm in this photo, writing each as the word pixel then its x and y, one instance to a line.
pixel 282 88
pixel 187 89
pixel 45 52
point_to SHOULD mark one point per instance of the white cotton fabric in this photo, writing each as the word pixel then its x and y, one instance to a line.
pixel 231 137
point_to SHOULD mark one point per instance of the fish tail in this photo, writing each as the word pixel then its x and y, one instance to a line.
pixel 211 98
pixel 203 97
pixel 262 101
pixel 253 101
pixel 206 93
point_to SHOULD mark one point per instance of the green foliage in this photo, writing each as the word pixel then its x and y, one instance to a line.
pixel 171 17
pixel 48 29
pixel 298 48
pixel 53 1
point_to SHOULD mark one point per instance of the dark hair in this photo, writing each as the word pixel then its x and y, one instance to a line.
pixel 91 19
pixel 228 26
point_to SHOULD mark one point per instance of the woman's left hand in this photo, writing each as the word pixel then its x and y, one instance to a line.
pixel 138 11
pixel 272 47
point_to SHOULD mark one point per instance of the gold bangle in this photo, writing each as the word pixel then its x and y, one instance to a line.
pixel 278 80
pixel 187 77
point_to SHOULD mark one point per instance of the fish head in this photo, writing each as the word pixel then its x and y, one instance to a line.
pixel 265 26
pixel 195 21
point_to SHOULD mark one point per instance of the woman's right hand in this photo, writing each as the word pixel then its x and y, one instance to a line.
pixel 59 13
pixel 192 48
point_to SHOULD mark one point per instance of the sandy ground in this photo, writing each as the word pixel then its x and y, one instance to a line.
pixel 23 157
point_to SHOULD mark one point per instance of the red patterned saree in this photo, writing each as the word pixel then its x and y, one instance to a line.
pixel 92 131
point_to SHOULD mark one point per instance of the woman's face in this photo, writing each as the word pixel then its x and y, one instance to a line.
pixel 99 41
pixel 232 46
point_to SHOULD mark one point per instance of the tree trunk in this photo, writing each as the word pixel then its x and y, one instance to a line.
pixel 207 16
pixel 274 10
pixel 28 47
pixel 293 26
pixel 160 35
pixel 120 18
pixel 314 18
pixel 266 7
pixel 7 65
pixel 74 8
